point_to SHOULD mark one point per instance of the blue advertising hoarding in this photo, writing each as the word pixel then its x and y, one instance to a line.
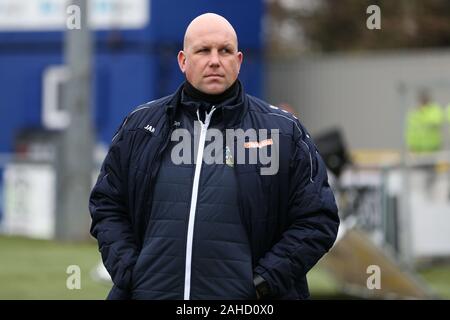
pixel 135 55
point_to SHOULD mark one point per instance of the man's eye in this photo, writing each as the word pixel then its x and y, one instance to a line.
pixel 226 50
pixel 202 50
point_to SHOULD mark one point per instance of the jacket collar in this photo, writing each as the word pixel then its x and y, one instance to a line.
pixel 232 114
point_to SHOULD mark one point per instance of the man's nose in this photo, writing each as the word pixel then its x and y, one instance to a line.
pixel 214 60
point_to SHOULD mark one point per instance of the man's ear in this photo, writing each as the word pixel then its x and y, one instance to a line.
pixel 240 57
pixel 182 60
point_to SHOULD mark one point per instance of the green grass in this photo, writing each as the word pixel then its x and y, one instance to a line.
pixel 438 278
pixel 36 269
pixel 322 285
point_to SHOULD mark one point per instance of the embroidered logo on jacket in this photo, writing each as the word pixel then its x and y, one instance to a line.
pixel 149 128
pixel 229 157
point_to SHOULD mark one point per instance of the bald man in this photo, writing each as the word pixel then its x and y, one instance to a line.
pixel 210 58
pixel 210 193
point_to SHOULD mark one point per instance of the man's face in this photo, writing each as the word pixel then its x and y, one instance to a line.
pixel 210 59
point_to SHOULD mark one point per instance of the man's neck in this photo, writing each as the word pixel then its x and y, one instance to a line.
pixel 196 94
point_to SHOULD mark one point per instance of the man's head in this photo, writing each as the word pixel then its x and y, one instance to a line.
pixel 210 58
pixel 424 97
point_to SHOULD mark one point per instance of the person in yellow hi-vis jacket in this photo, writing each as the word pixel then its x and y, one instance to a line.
pixel 424 125
pixel 448 112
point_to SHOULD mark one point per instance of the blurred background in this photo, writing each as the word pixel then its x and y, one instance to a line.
pixel 369 79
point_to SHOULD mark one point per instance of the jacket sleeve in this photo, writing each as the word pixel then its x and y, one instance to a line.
pixel 111 224
pixel 312 220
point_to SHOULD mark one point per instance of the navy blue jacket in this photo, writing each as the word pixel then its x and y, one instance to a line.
pixel 290 218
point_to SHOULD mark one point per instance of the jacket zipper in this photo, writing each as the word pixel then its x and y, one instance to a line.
pixel 195 185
